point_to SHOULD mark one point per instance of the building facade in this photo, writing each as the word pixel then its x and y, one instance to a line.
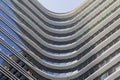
pixel 37 44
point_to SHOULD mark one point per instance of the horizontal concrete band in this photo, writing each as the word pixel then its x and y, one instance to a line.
pixel 104 19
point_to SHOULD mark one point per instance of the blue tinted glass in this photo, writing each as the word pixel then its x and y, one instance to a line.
pixel 7 8
pixel 9 30
pixel 1 60
pixel 8 19
pixel 10 2
pixel 7 27
pixel 10 42
pixel 4 50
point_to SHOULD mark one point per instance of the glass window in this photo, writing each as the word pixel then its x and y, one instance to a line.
pixel 10 42
pixel 103 76
pixel 4 78
pixel 1 60
pixel 8 28
pixel 8 19
pixel 10 2
pixel 2 24
pixel 7 8
pixel 118 67
pixel 4 50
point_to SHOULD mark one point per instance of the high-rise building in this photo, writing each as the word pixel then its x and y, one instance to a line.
pixel 37 44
